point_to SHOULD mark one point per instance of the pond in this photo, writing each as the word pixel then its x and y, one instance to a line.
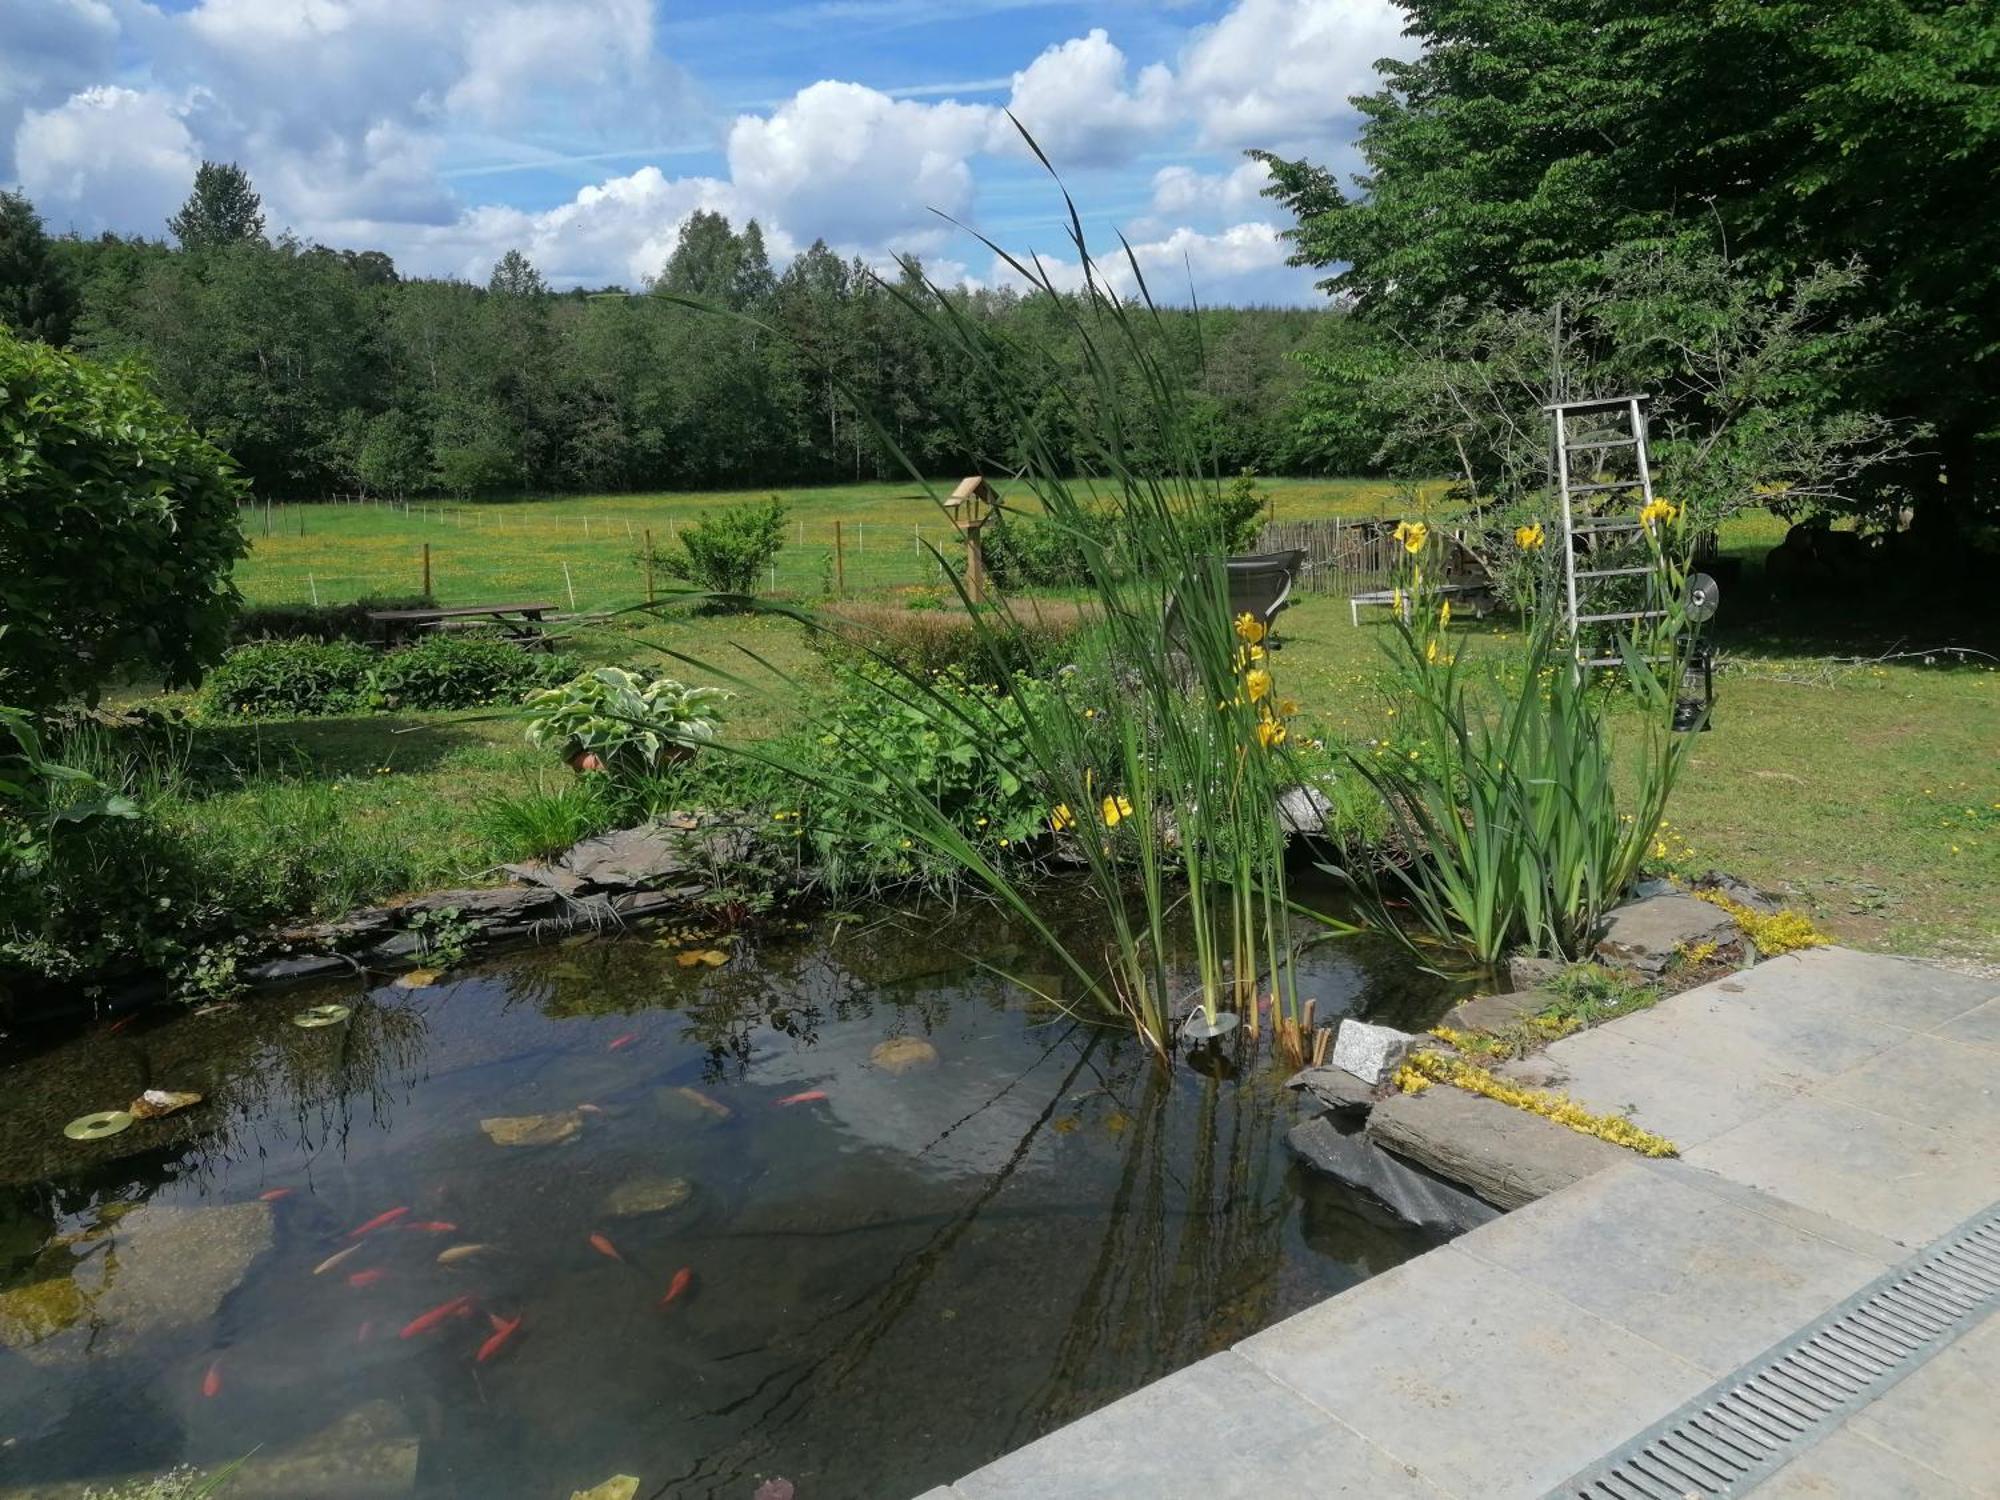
pixel 847 1208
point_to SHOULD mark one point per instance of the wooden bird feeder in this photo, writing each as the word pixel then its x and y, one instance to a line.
pixel 970 507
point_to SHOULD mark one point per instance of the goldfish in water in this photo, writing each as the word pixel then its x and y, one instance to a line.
pixel 274 1195
pixel 683 1278
pixel 211 1383
pixel 590 1109
pixel 333 1260
pixel 366 1278
pixel 604 1246
pixel 458 1253
pixel 623 1042
pixel 810 1096
pixel 701 1101
pixel 434 1226
pixel 425 1322
pixel 377 1222
pixel 503 1330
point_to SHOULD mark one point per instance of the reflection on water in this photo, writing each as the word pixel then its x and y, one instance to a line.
pixel 934 1253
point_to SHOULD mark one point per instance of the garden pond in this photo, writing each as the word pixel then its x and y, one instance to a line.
pixel 848 1208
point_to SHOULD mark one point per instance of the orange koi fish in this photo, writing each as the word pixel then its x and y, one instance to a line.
pixel 810 1096
pixel 425 1322
pixel 623 1042
pixel 434 1226
pixel 604 1247
pixel 366 1278
pixel 211 1383
pixel 683 1278
pixel 274 1195
pixel 503 1330
pixel 377 1222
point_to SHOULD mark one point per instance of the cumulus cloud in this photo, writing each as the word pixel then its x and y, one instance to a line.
pixel 1184 190
pixel 52 49
pixel 1279 73
pixel 1241 263
pixel 1076 102
pixel 106 158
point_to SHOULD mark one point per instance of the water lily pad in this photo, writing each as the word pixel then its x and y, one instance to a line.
pixel 617 1487
pixel 95 1127
pixel 532 1130
pixel 419 979
pixel 314 1016
pixel 715 958
pixel 154 1103
pixel 899 1054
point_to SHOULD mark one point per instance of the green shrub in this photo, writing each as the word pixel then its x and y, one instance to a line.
pixel 1027 552
pixel 1034 631
pixel 631 721
pixel 727 551
pixel 463 671
pixel 118 530
pixel 545 821
pixel 1231 520
pixel 290 679
pixel 319 622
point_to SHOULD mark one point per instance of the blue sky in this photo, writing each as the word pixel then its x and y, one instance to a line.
pixel 585 131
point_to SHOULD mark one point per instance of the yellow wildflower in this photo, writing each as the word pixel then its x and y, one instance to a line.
pixel 1270 732
pixel 1529 538
pixel 1431 653
pixel 1656 511
pixel 1444 614
pixel 1249 629
pixel 1115 809
pixel 1396 600
pixel 1061 817
pixel 1413 535
pixel 1257 682
pixel 1287 707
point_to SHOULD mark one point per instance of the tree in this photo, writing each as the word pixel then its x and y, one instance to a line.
pixel 1531 138
pixel 118 531
pixel 514 275
pixel 222 210
pixel 37 298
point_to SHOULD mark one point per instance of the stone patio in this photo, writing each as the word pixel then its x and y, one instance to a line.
pixel 1835 1111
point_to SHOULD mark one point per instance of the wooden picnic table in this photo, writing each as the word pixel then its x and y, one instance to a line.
pixel 521 622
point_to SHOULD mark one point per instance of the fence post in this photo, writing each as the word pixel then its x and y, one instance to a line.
pixel 570 585
pixel 427 570
pixel 649 565
pixel 839 562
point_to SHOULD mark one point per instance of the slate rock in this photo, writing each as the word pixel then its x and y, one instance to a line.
pixel 1370 1052
pixel 1411 1194
pixel 1647 935
pixel 297 968
pixel 1335 1089
pixel 499 903
pixel 1507 1156
pixel 651 1194
pixel 1303 810
pixel 1495 1012
pixel 1532 973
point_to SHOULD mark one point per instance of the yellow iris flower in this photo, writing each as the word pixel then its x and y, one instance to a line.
pixel 1529 538
pixel 1257 683
pixel 1249 629
pixel 1270 732
pixel 1656 511
pixel 1413 535
pixel 1115 810
pixel 1061 817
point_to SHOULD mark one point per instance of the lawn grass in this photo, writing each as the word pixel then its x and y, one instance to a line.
pixel 1868 795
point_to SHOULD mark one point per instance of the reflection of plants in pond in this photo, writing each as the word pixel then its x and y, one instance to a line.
pixel 1509 807
pixel 622 720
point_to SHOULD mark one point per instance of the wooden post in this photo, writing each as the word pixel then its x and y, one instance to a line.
pixel 302 520
pixel 839 562
pixel 649 565
pixel 975 566
pixel 427 570
pixel 570 585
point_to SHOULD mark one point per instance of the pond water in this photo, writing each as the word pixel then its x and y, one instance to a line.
pixel 914 1220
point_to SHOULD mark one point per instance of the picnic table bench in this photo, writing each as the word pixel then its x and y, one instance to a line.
pixel 522 623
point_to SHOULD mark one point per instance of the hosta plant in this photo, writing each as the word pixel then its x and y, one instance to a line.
pixel 623 721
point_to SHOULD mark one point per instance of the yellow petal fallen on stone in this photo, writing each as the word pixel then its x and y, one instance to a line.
pixel 618 1487
pixel 419 979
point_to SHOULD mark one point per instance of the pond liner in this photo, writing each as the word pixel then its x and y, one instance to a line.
pixel 1413 1195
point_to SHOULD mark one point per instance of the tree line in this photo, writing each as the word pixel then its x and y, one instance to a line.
pixel 326 371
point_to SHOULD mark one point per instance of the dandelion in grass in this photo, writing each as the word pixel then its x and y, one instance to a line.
pixel 1529 538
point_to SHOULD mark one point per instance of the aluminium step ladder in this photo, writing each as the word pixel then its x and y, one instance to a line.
pixel 1603 440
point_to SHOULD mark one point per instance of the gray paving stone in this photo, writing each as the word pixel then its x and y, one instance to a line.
pixel 1930 1080
pixel 1864 986
pixel 1493 1386
pixel 1706 1279
pixel 1947 1414
pixel 942 1492
pixel 1981 1026
pixel 1845 1465
pixel 1220 1430
pixel 1863 1242
pixel 1907 1182
pixel 1664 1089
pixel 1782 1037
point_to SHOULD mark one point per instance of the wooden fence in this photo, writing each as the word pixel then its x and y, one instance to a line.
pixel 1343 556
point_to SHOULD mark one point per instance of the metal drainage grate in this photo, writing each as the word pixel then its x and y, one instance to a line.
pixel 1748 1425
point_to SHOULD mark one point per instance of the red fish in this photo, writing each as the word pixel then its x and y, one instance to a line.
pixel 424 1322
pixel 503 1330
pixel 604 1247
pixel 274 1195
pixel 211 1383
pixel 683 1278
pixel 377 1222
pixel 810 1096
pixel 623 1042
pixel 366 1278
pixel 434 1226
pixel 118 1025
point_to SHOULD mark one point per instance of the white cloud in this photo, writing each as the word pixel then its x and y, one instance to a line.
pixel 1279 73
pixel 1241 263
pixel 108 157
pixel 1183 190
pixel 52 49
pixel 1075 102
pixel 849 163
